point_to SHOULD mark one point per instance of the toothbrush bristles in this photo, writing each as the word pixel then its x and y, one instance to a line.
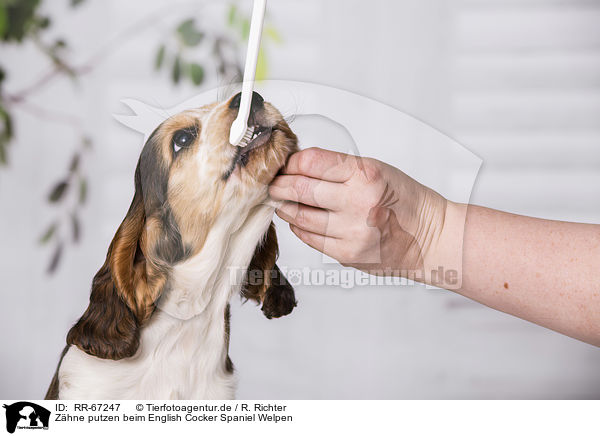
pixel 247 137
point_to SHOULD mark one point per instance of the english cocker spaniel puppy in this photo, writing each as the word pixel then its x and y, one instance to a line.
pixel 199 230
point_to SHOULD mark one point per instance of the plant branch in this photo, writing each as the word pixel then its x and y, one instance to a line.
pixel 94 60
pixel 50 115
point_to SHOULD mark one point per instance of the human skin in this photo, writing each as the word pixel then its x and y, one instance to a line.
pixel 371 216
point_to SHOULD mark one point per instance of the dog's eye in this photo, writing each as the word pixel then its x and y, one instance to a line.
pixel 183 138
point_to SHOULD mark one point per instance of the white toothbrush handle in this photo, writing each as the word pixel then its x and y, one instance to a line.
pixel 256 27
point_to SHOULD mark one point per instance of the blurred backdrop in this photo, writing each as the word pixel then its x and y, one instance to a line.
pixel 516 82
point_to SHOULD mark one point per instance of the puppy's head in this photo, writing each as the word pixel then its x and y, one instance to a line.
pixel 188 178
pixel 202 176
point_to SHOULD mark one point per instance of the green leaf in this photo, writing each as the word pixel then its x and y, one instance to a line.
pixel 75 163
pixel 189 34
pixel 6 134
pixel 3 21
pixel 87 142
pixel 60 43
pixel 245 28
pixel 3 157
pixel 83 188
pixel 43 22
pixel 75 3
pixel 160 57
pixel 273 34
pixel 75 227
pixel 176 72
pixel 55 261
pixel 232 15
pixel 50 231
pixel 58 192
pixel 262 66
pixel 21 19
pixel 185 25
pixel 196 73
pixel 7 127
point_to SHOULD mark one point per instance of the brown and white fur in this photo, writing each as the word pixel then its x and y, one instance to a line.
pixel 157 325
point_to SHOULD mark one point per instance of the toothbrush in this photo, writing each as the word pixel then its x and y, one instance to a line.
pixel 240 134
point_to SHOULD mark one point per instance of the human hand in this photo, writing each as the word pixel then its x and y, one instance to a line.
pixel 360 211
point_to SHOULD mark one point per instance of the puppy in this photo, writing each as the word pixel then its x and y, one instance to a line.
pixel 157 325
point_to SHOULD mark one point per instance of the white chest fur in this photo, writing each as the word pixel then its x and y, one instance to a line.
pixel 183 348
pixel 177 359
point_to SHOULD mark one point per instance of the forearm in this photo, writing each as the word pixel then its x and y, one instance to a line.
pixel 370 215
pixel 546 272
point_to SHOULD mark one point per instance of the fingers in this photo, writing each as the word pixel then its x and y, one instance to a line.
pixel 321 243
pixel 322 164
pixel 310 219
pixel 312 192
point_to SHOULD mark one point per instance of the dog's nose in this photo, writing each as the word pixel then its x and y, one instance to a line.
pixel 257 102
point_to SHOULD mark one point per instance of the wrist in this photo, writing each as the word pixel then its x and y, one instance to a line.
pixel 443 259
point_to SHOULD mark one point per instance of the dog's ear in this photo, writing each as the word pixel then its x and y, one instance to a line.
pixel 265 283
pixel 124 291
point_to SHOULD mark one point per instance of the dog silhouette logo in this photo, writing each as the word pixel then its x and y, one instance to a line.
pixel 26 415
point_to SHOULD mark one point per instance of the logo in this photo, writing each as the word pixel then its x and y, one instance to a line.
pixel 26 415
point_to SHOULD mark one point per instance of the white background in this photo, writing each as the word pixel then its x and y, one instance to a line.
pixel 517 82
